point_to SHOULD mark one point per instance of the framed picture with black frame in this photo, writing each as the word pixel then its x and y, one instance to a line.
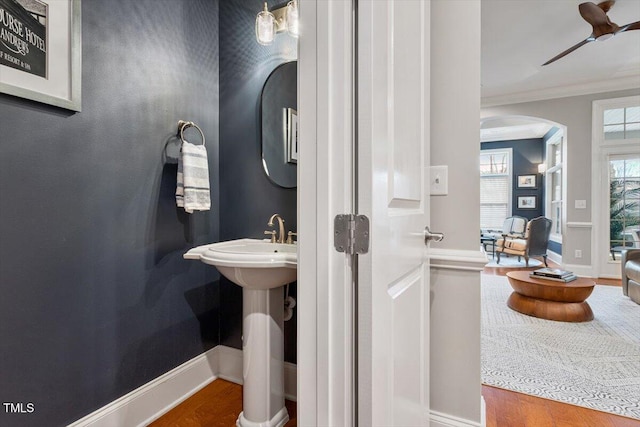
pixel 527 181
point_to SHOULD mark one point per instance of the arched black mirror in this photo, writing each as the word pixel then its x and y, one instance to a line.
pixel 279 123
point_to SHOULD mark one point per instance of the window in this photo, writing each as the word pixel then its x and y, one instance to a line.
pixel 554 183
pixel 495 187
pixel 624 202
pixel 622 123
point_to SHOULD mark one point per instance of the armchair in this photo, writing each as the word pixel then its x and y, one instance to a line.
pixel 513 226
pixel 534 243
pixel 630 264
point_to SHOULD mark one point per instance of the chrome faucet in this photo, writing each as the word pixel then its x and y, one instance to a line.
pixel 280 238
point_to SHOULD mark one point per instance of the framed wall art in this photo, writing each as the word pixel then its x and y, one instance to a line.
pixel 291 135
pixel 526 202
pixel 526 181
pixel 41 51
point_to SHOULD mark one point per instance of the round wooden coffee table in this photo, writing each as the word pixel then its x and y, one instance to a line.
pixel 551 300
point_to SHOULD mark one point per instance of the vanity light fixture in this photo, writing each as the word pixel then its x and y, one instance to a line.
pixel 265 26
pixel 268 24
pixel 292 18
pixel 542 168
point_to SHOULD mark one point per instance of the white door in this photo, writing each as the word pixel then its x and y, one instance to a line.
pixel 393 156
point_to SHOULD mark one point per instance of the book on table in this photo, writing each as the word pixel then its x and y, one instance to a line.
pixel 555 273
pixel 563 279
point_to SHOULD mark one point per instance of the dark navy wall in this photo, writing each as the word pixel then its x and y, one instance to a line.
pixel 248 196
pixel 95 298
pixel 527 155
pixel 555 247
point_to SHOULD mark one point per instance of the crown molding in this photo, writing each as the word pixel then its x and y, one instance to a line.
pixel 609 85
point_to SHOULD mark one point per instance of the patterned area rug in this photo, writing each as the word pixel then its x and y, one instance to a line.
pixel 511 262
pixel 593 364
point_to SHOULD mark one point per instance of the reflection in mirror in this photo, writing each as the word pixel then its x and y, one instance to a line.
pixel 279 123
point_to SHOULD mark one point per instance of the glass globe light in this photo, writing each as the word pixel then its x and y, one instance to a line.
pixel 292 18
pixel 265 27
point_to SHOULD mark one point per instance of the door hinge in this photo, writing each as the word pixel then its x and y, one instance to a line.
pixel 351 234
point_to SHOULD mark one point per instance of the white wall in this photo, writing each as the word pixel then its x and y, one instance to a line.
pixel 455 131
pixel 575 113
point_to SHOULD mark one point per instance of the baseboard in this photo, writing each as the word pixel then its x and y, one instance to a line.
pixel 230 369
pixel 555 257
pixel 157 397
pixel 146 403
pixel 229 364
pixel 291 381
pixel 439 419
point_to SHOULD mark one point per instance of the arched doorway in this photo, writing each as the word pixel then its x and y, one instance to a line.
pixel 536 173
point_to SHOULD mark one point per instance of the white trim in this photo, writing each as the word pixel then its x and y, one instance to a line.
pixel 325 95
pixel 152 400
pixel 576 224
pixel 290 381
pixel 230 369
pixel 610 276
pixel 605 85
pixel 559 138
pixel 308 110
pixel 457 259
pixel 440 419
pixel 555 257
pixel 147 403
pixel 229 365
pixel 483 412
pixel 600 151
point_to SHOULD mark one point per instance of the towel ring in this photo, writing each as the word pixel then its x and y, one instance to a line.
pixel 182 125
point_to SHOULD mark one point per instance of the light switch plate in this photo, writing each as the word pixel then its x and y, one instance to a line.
pixel 439 180
pixel 581 204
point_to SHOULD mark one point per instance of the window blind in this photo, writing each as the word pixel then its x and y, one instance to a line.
pixel 494 201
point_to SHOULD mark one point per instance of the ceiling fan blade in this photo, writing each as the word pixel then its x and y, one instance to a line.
pixel 593 14
pixel 606 5
pixel 568 51
pixel 629 27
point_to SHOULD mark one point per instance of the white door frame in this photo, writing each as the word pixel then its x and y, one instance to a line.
pixel 600 152
pixel 325 189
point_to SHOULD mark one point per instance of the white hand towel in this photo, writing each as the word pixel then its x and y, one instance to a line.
pixel 192 191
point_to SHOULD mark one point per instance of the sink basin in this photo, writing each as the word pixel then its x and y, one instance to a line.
pixel 251 263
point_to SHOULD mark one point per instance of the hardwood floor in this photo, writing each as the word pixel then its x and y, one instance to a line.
pixel 510 409
pixel 216 405
pixel 219 403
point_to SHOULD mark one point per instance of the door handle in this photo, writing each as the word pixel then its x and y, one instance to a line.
pixel 428 236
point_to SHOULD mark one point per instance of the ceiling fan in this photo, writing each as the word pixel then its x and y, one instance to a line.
pixel 603 28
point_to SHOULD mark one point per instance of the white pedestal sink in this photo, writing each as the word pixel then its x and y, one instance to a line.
pixel 261 268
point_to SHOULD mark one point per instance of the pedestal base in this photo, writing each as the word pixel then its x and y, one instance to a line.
pixel 278 420
pixel 263 359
